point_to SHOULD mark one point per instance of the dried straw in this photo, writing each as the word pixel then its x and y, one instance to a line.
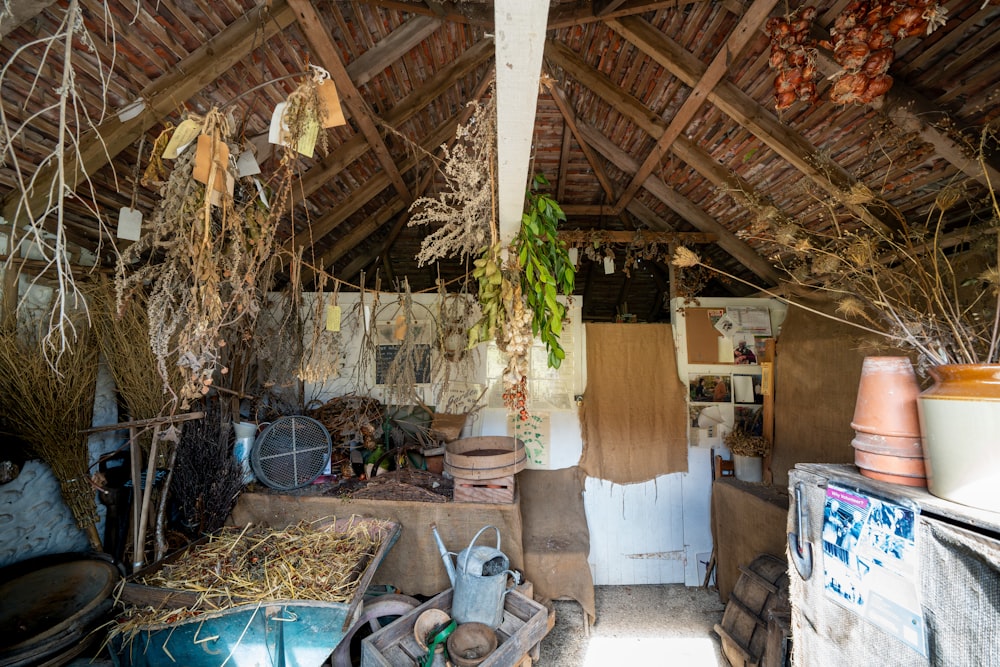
pixel 306 561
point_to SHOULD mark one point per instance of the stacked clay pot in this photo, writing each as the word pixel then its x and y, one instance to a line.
pixel 886 423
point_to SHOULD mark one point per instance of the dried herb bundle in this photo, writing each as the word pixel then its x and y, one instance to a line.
pixel 207 478
pixel 206 261
pixel 742 443
pixel 48 407
pixel 465 208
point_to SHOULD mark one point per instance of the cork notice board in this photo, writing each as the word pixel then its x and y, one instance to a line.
pixel 702 336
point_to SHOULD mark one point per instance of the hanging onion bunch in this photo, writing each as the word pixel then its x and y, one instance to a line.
pixel 793 56
pixel 863 37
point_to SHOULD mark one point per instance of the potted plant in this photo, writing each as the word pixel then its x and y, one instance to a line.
pixel 931 286
pixel 748 454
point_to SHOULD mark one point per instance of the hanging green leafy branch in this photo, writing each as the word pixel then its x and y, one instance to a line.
pixel 546 269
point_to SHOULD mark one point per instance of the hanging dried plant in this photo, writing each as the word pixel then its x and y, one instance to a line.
pixel 206 261
pixel 401 376
pixel 322 352
pixel 463 211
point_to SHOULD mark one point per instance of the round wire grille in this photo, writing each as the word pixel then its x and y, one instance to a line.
pixel 291 452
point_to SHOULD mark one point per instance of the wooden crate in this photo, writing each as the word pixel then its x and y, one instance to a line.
pixel 499 490
pixel 524 624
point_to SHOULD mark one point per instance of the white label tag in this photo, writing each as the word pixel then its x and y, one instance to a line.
pixel 246 164
pixel 129 223
pixel 609 265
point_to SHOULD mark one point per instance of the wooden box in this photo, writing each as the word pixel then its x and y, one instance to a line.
pixel 498 490
pixel 525 623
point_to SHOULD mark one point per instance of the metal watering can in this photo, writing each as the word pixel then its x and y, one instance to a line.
pixel 479 580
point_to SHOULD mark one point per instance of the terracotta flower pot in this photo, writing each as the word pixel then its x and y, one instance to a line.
pixel 960 421
pixel 886 423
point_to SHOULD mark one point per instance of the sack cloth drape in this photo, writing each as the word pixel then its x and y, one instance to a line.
pixel 634 418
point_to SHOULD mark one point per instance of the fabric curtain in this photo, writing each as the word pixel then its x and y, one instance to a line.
pixel 634 418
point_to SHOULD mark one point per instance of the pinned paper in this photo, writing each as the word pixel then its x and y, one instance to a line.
pixel 334 114
pixel 399 328
pixel 185 133
pixel 333 314
pixel 129 223
pixel 206 157
pixel 246 164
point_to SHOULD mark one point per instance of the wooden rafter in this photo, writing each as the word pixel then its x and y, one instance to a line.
pixel 192 74
pixel 321 42
pixel 742 108
pixel 402 221
pixel 734 47
pixel 684 207
pixel 644 117
pixel 582 237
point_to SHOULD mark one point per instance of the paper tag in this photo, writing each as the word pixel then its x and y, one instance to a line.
pixel 609 265
pixel 216 196
pixel 185 133
pixel 130 111
pixel 204 159
pixel 368 318
pixel 129 223
pixel 334 115
pixel 261 193
pixel 278 132
pixel 275 133
pixel 246 164
pixel 333 318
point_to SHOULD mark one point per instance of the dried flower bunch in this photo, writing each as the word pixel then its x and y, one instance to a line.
pixel 742 443
pixel 463 211
pixel 926 285
pixel 206 254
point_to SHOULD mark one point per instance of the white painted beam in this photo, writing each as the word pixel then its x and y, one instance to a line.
pixel 520 41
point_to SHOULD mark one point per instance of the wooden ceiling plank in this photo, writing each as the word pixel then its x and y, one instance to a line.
pixel 321 42
pixel 357 199
pixel 734 47
pixel 184 80
pixel 569 117
pixel 684 207
pixel 641 115
pixel 431 89
pixel 605 7
pixel 742 108
pixel 391 49
pixel 572 236
pixel 910 112
pixel 397 228
pixel 566 16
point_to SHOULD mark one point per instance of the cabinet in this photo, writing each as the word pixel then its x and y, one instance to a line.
pixel 958 581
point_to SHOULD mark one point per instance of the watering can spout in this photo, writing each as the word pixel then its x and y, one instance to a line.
pixel 445 556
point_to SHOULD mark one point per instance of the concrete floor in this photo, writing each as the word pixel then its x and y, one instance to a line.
pixel 638 625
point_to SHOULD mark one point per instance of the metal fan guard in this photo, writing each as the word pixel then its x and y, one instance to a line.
pixel 291 452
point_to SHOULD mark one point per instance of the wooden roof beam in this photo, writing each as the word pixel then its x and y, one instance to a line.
pixel 186 78
pixel 687 209
pixel 734 47
pixel 322 45
pixel 386 244
pixel 742 108
pixel 652 124
pixel 356 146
pixel 579 236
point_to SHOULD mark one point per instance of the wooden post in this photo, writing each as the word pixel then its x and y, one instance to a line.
pixel 767 380
pixel 135 456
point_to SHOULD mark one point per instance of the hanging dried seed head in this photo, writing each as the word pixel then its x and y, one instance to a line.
pixel 684 257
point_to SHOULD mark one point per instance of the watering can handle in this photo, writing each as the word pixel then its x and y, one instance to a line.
pixel 465 565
